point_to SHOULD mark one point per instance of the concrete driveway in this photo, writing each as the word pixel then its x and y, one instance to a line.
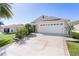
pixel 39 45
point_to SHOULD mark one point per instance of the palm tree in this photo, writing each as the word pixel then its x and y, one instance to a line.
pixel 69 28
pixel 5 11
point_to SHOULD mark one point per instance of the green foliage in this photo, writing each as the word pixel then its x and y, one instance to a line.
pixel 5 42
pixel 74 35
pixel 6 39
pixel 73 48
pixel 5 10
pixel 7 36
pixel 29 28
pixel 21 32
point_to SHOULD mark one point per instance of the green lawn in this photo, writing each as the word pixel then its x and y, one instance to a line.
pixel 73 48
pixel 6 39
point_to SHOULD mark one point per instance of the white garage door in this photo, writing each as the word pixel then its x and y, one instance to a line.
pixel 51 28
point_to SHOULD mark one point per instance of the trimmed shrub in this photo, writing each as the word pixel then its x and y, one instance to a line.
pixel 21 32
pixel 74 35
pixel 29 28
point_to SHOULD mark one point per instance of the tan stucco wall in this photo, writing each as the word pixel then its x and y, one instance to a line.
pixel 50 22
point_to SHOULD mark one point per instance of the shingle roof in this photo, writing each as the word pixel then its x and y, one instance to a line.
pixel 13 26
pixel 46 18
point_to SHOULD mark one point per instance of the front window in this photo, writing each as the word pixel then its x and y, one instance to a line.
pixel 11 30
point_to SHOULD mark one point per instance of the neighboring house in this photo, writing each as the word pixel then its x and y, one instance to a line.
pixel 50 25
pixel 1 29
pixel 11 28
pixel 76 28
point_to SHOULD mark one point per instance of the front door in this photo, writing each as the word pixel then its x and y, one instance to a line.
pixel 34 28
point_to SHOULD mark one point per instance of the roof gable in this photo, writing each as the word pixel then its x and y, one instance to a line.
pixel 47 18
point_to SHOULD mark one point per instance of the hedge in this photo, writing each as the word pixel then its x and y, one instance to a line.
pixel 74 35
pixel 21 32
pixel 29 28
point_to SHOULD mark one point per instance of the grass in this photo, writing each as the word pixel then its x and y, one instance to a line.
pixel 73 48
pixel 6 39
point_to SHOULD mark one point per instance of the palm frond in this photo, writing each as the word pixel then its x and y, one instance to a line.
pixel 5 11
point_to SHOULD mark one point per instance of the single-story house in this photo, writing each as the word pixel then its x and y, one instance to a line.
pixel 76 28
pixel 11 28
pixel 43 24
pixel 50 25
pixel 1 29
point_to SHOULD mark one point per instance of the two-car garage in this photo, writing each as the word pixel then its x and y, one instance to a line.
pixel 51 28
pixel 50 25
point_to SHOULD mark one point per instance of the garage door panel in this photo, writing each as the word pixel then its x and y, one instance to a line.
pixel 51 29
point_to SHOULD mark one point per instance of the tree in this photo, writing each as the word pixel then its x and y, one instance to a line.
pixel 69 28
pixel 5 11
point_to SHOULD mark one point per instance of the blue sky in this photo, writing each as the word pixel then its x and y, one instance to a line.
pixel 26 12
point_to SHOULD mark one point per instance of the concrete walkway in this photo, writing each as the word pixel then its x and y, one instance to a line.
pixel 39 45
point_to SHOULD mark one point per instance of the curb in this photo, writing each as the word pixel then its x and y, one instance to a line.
pixel 66 48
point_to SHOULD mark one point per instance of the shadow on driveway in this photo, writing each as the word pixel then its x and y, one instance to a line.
pixel 3 50
pixel 23 41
